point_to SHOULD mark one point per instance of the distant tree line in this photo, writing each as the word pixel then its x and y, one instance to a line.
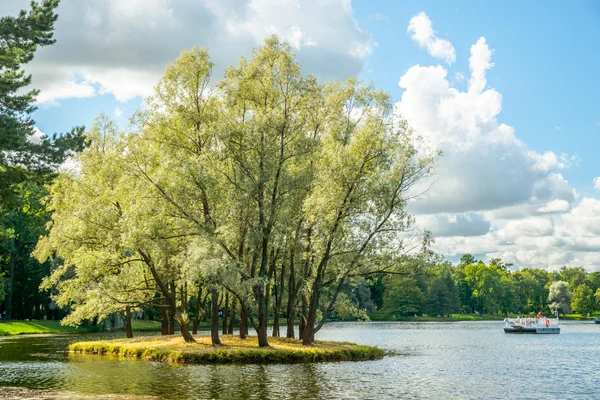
pixel 474 287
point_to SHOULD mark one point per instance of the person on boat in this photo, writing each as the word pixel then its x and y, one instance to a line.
pixel 539 315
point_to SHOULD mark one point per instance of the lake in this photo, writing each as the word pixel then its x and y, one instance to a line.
pixel 456 360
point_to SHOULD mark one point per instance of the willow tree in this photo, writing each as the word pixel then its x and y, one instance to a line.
pixel 268 137
pixel 357 206
pixel 118 246
pixel 265 175
pixel 227 159
pixel 171 158
pixel 97 276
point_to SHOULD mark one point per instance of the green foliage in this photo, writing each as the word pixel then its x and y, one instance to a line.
pixel 19 39
pixel 442 296
pixel 402 297
pixel 346 309
pixel 485 282
pixel 559 297
pixel 25 167
pixel 3 287
pixel 583 300
pixel 486 289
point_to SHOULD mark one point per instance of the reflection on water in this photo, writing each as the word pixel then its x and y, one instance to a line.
pixel 432 360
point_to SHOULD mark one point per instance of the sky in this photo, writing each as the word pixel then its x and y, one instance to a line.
pixel 509 91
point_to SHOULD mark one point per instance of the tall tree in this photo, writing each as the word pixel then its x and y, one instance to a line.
pixel 25 165
pixel 583 300
pixel 559 297
pixel 20 37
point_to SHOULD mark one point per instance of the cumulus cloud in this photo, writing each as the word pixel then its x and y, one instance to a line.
pixel 491 194
pixel 555 206
pixel 122 47
pixel 485 166
pixel 37 137
pixel 596 183
pixel 422 32
pixel 468 224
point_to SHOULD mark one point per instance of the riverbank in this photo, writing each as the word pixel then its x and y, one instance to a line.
pixel 45 327
pixel 37 327
pixel 232 350
pixel 379 317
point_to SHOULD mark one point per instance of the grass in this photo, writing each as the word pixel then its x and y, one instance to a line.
pixel 232 350
pixel 33 327
pixel 145 325
pixel 580 317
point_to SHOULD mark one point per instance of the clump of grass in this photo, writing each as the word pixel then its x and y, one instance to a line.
pixel 232 350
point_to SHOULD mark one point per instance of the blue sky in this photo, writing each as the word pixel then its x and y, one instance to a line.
pixel 547 57
pixel 511 96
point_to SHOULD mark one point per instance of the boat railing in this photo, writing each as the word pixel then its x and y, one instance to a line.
pixel 531 321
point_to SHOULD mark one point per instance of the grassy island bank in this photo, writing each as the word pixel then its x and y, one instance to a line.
pixel 233 350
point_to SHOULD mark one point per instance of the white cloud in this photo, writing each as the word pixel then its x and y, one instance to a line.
pixel 479 63
pixel 491 194
pixel 555 206
pixel 596 183
pixel 422 32
pixel 122 47
pixel 118 112
pixel 37 136
pixel 571 238
pixel 59 83
pixel 485 166
pixel 469 224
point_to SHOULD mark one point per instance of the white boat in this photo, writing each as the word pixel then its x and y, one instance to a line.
pixel 532 325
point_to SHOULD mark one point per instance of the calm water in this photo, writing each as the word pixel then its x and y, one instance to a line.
pixel 433 360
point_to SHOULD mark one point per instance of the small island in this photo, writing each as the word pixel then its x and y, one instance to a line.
pixel 232 350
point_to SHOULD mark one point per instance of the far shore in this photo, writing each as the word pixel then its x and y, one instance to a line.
pixel 35 327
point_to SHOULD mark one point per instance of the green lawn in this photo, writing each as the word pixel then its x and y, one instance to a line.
pixel 145 325
pixel 31 327
pixel 379 316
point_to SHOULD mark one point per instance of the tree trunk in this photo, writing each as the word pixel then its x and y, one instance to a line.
pixel 243 322
pixel 182 315
pixel 172 311
pixel 196 322
pixel 225 313
pixel 128 327
pixel 260 295
pixel 214 316
pixel 164 321
pixel 303 317
pixel 171 321
pixel 11 282
pixel 308 335
pixel 183 328
pixel 262 333
pixel 291 304
pixel 231 317
pixel 276 332
pixel 278 293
